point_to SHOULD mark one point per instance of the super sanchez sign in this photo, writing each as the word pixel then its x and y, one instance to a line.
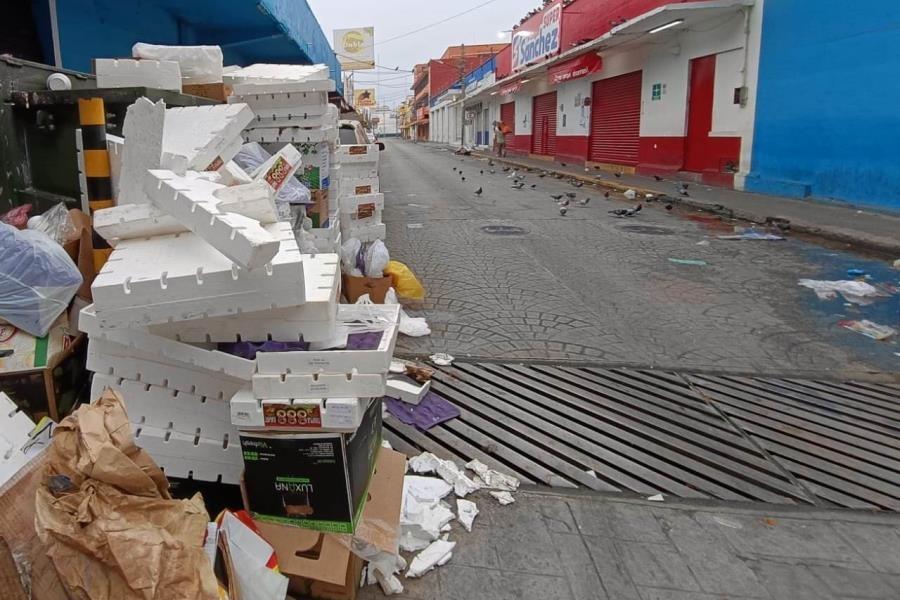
pixel 538 38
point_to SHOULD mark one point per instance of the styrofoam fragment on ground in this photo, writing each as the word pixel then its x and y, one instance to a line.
pixel 241 89
pixel 187 456
pixel 436 554
pixel 204 135
pixel 274 73
pixel 406 391
pixel 15 426
pixel 337 414
pixel 279 168
pixel 128 221
pixel 313 320
pixel 288 135
pixel 240 238
pixel 365 233
pixel 339 361
pixel 169 350
pixel 255 200
pixel 492 479
pixel 466 512
pixel 503 498
pixel 117 360
pixel 162 407
pixel 180 277
pixel 115 146
pixel 298 101
pixel 425 462
pixel 143 133
pixel 129 72
pixel 323 385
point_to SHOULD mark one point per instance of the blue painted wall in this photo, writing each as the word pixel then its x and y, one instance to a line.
pixel 828 102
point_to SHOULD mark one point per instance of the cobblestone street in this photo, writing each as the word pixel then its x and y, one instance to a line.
pixel 588 287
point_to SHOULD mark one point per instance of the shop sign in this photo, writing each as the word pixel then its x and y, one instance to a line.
pixel 538 38
pixel 510 88
pixel 579 66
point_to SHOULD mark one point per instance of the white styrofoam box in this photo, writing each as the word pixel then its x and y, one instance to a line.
pixel 296 101
pixel 116 360
pixel 328 239
pixel 288 135
pixel 312 414
pixel 15 427
pixel 115 146
pixel 255 199
pixel 279 168
pixel 356 186
pixel 180 277
pixel 312 320
pixel 240 238
pixel 143 133
pixel 169 350
pixel 379 316
pixel 274 73
pixel 199 64
pixel 352 222
pixel 294 120
pixel 357 153
pixel 322 385
pixel 324 85
pixel 165 408
pixel 407 390
pixel 299 111
pixel 129 221
pixel 233 174
pixel 188 456
pixel 365 233
pixel 129 72
pixel 362 204
pixel 357 171
pixel 203 135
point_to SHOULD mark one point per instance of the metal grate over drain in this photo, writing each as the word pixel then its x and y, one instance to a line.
pixel 504 230
pixel 646 432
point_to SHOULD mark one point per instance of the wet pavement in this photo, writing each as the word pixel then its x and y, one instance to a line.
pixel 508 277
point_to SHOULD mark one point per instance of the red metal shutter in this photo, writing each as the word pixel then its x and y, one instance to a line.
pixel 508 114
pixel 616 119
pixel 543 125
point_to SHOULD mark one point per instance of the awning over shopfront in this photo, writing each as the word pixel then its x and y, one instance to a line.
pixel 511 88
pixel 580 66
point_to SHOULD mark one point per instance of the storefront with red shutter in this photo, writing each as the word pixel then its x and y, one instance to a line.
pixel 543 119
pixel 616 120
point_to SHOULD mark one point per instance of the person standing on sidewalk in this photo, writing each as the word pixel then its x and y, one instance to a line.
pixel 500 131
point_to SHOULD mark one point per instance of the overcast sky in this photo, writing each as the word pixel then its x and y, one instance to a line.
pixel 391 18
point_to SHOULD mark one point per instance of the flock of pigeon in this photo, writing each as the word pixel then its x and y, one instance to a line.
pixel 564 201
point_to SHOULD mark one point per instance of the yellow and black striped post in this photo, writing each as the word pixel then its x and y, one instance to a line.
pixel 92 117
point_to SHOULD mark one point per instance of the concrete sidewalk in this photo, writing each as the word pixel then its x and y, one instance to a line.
pixel 589 547
pixel 863 229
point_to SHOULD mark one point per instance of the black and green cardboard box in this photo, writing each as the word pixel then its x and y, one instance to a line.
pixel 311 480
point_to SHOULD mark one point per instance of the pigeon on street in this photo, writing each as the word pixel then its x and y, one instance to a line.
pixel 577 183
pixel 478 192
pixel 584 201
pixel 563 210
pixel 625 212
pixel 571 195
pixel 557 198
pixel 517 185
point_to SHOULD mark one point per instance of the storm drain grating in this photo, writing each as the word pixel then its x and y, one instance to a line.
pixel 648 432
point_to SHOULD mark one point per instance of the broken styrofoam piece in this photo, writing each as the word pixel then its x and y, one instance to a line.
pixel 169 350
pixel 232 174
pixel 199 64
pixel 492 479
pixel 124 362
pixel 442 359
pixel 129 72
pixel 115 147
pixel 15 427
pixel 466 512
pixel 320 385
pixel 503 498
pixel 656 498
pixel 166 408
pixel 191 457
pixel 203 135
pixel 275 73
pixel 447 470
pixel 422 515
pixel 240 238
pixel 255 200
pixel 129 221
pixel 143 134
pixel 180 277
pixel 425 489
pixel 436 554
pixel 331 414
pixel 407 390
pixel 424 463
pixel 279 167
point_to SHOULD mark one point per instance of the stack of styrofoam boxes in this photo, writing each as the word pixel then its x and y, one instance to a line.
pixel 196 262
pixel 361 203
pixel 291 106
pixel 131 72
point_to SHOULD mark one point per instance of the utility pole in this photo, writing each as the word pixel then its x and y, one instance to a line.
pixel 462 100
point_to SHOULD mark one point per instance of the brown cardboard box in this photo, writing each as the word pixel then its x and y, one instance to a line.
pixel 318 210
pixel 81 251
pixel 213 91
pixel 375 287
pixel 320 565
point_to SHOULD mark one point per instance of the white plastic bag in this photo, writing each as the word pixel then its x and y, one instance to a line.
pixel 411 326
pixel 37 279
pixel 56 224
pixel 252 155
pixel 349 252
pixel 199 64
pixel 377 259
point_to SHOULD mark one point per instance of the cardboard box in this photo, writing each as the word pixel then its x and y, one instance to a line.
pixel 318 210
pixel 315 172
pixel 375 287
pixel 320 565
pixel 290 414
pixel 213 91
pixel 311 480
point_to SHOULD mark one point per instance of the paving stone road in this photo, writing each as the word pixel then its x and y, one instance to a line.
pixel 593 288
pixel 586 547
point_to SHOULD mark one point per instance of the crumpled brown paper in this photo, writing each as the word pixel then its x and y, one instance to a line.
pixel 112 530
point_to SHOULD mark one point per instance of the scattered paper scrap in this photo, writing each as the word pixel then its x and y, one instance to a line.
pixel 426 489
pixel 436 554
pixel 869 329
pixel 688 261
pixel 857 292
pixel 466 511
pixel 493 479
pixel 442 359
pixel 503 498
pixel 656 498
pixel 424 463
pixel 397 366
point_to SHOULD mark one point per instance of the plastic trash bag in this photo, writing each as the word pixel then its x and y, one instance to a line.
pixel 411 326
pixel 404 281
pixel 349 252
pixel 56 223
pixel 37 279
pixel 252 155
pixel 17 217
pixel 377 259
